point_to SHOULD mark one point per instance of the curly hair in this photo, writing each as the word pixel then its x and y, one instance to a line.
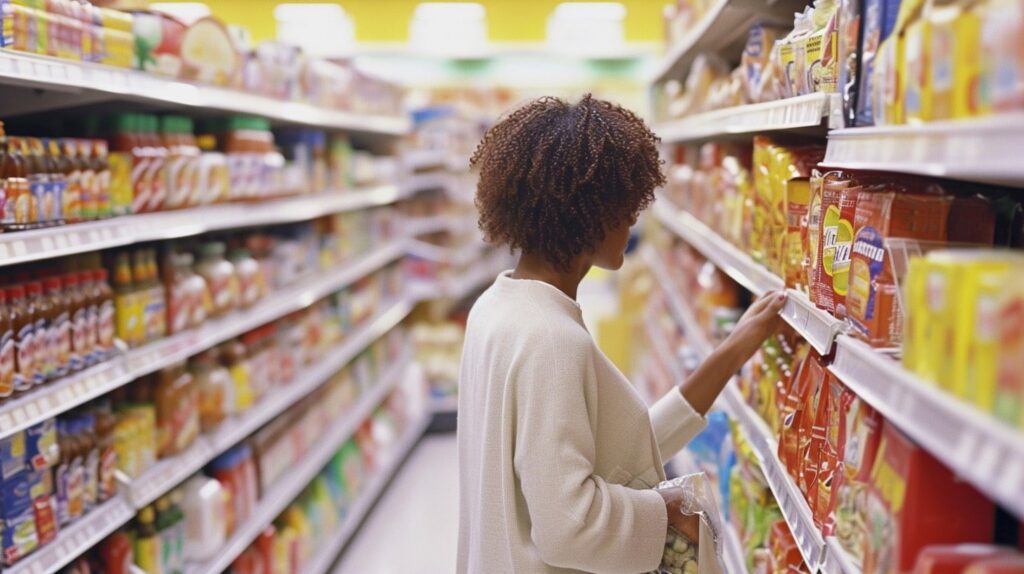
pixel 554 177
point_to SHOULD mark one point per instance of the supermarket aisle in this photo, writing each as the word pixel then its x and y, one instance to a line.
pixel 414 527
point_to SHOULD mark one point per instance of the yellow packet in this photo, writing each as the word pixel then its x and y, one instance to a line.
pixel 1009 386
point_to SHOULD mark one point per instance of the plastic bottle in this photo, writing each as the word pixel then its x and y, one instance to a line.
pixel 87 179
pixel 103 300
pixel 106 422
pixel 43 317
pixel 38 182
pixel 53 206
pixel 220 277
pixel 177 519
pixel 234 357
pixel 105 206
pixel 126 302
pixel 247 270
pixel 116 553
pixel 78 315
pixel 208 518
pixel 214 384
pixel 147 543
pixel 6 168
pixel 156 298
pixel 69 170
pixel 23 325
pixel 7 363
pixel 157 169
pixel 61 328
pixel 90 462
pixel 163 524
pixel 70 473
pixel 127 164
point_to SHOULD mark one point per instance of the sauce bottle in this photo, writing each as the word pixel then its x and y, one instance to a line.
pixel 43 316
pixel 7 364
pixel 51 204
pixel 125 301
pixel 116 553
pixel 147 543
pixel 127 164
pixel 156 177
pixel 74 193
pixel 61 328
pixel 23 215
pixel 101 185
pixel 6 166
pixel 103 297
pixel 85 285
pixel 70 473
pixel 38 180
pixel 140 281
pixel 87 179
pixel 234 357
pixel 156 298
pixel 90 462
pixel 23 324
pixel 106 422
pixel 78 356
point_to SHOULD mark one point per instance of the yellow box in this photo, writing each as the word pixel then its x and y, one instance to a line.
pixel 915 319
pixel 975 332
pixel 917 71
pixel 1009 392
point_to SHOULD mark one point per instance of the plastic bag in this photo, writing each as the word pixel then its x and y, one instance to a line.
pixel 685 556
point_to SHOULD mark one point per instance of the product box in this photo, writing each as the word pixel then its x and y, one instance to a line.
pixel 822 50
pixel 41 448
pixel 879 19
pixel 1002 76
pixel 918 97
pixel 835 236
pixel 914 501
pixel 1009 383
pixel 12 456
pixel 18 536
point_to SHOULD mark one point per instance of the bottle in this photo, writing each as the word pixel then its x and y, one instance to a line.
pixel 57 183
pixel 16 198
pixel 43 317
pixel 6 166
pixel 214 385
pixel 157 153
pixel 70 473
pixel 90 462
pixel 156 298
pixel 65 175
pixel 106 422
pixel 7 364
pixel 177 519
pixel 127 163
pixel 101 193
pixel 61 328
pixel 234 356
pixel 147 543
pixel 23 325
pixel 116 554
pixel 91 314
pixel 126 302
pixel 38 181
pixel 141 287
pixel 77 313
pixel 103 302
pixel 168 520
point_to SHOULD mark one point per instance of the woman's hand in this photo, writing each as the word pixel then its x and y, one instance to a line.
pixel 760 321
pixel 687 524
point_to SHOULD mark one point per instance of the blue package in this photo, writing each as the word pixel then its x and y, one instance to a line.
pixel 16 495
pixel 41 448
pixel 879 19
pixel 12 455
pixel 18 536
pixel 706 446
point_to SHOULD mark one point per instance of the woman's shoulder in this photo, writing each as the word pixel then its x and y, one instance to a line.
pixel 523 322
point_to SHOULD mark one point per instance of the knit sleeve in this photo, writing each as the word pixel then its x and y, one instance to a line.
pixel 578 520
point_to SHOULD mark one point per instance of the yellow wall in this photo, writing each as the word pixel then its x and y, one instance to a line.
pixel 388 20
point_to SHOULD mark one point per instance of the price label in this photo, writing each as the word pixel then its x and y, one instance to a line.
pixel 4 252
pixel 19 248
pixel 62 242
pixel 46 243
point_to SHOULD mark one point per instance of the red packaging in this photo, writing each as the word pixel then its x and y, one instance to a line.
pixel 830 236
pixel 872 301
pixel 952 559
pixel 861 428
pixel 913 502
pixel 809 376
pixel 1001 565
pixel 836 400
pixel 810 234
pixel 810 436
pixel 784 550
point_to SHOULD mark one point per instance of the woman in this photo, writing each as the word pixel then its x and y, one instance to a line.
pixel 557 452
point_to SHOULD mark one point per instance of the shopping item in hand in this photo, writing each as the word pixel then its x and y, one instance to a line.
pixel 685 556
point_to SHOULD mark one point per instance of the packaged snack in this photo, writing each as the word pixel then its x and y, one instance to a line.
pixel 158 41
pixel 755 60
pixel 837 400
pixel 798 74
pixel 1009 383
pixel 682 554
pixel 808 376
pixel 784 550
pixel 860 428
pixel 916 69
pixel 954 558
pixel 914 501
pixel 835 236
pixel 879 19
pixel 822 48
pixel 1002 78
pixel 871 302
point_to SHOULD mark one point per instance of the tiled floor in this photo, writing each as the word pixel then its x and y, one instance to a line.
pixel 414 527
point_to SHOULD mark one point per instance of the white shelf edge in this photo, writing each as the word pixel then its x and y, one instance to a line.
pixel 290 485
pixel 683 47
pixel 422 159
pixel 837 561
pixel 815 325
pixel 727 257
pixel 980 449
pixel 417 182
pixel 354 516
pixel 133 85
pixel 58 397
pixel 171 472
pixel 791 501
pixel 985 149
pixel 733 553
pixel 74 540
pixel 800 112
pixel 36 245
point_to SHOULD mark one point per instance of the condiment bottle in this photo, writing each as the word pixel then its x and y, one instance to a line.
pixel 157 178
pixel 141 288
pixel 7 363
pixel 70 473
pixel 116 554
pixel 156 298
pixel 61 328
pixel 78 314
pixel 103 301
pixel 234 356
pixel 147 543
pixel 90 462
pixel 65 174
pixel 85 285
pixel 102 186
pixel 127 164
pixel 43 317
pixel 23 324
pixel 126 302
pixel 25 214
pixel 38 181
pixel 54 199
pixel 106 422
pixel 214 385
pixel 247 270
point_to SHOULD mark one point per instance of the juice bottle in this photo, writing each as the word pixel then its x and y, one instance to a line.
pixel 126 301
pixel 54 198
pixel 214 385
pixel 23 324
pixel 156 297
pixel 61 328
pixel 105 424
pixel 77 313
pixel 6 349
pixel 147 543
pixel 141 287
pixel 126 165
pixel 69 179
pixel 21 212
pixel 102 192
pixel 90 462
pixel 156 177
pixel 43 318
pixel 38 181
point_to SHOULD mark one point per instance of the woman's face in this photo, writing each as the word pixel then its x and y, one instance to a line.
pixel 611 252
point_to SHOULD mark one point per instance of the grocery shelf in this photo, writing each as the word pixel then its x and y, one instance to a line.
pixel 727 257
pixel 978 448
pixel 816 326
pixel 791 501
pixel 35 245
pixel 290 485
pixel 74 540
pixel 422 159
pixel 723 30
pixel 984 149
pixel 56 398
pixel 681 311
pixel 365 500
pixel 735 563
pixel 442 405
pixel 837 560
pixel 663 351
pixel 417 182
pixel 77 83
pixel 799 113
pixel 171 472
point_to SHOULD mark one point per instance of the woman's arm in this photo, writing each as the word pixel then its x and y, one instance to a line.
pixel 760 321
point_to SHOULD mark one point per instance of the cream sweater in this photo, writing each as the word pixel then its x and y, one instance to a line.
pixel 557 451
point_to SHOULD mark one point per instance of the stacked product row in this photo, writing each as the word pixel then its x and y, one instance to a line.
pixel 202 51
pixel 853 243
pixel 138 163
pixel 887 501
pixel 893 61
pixel 191 524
